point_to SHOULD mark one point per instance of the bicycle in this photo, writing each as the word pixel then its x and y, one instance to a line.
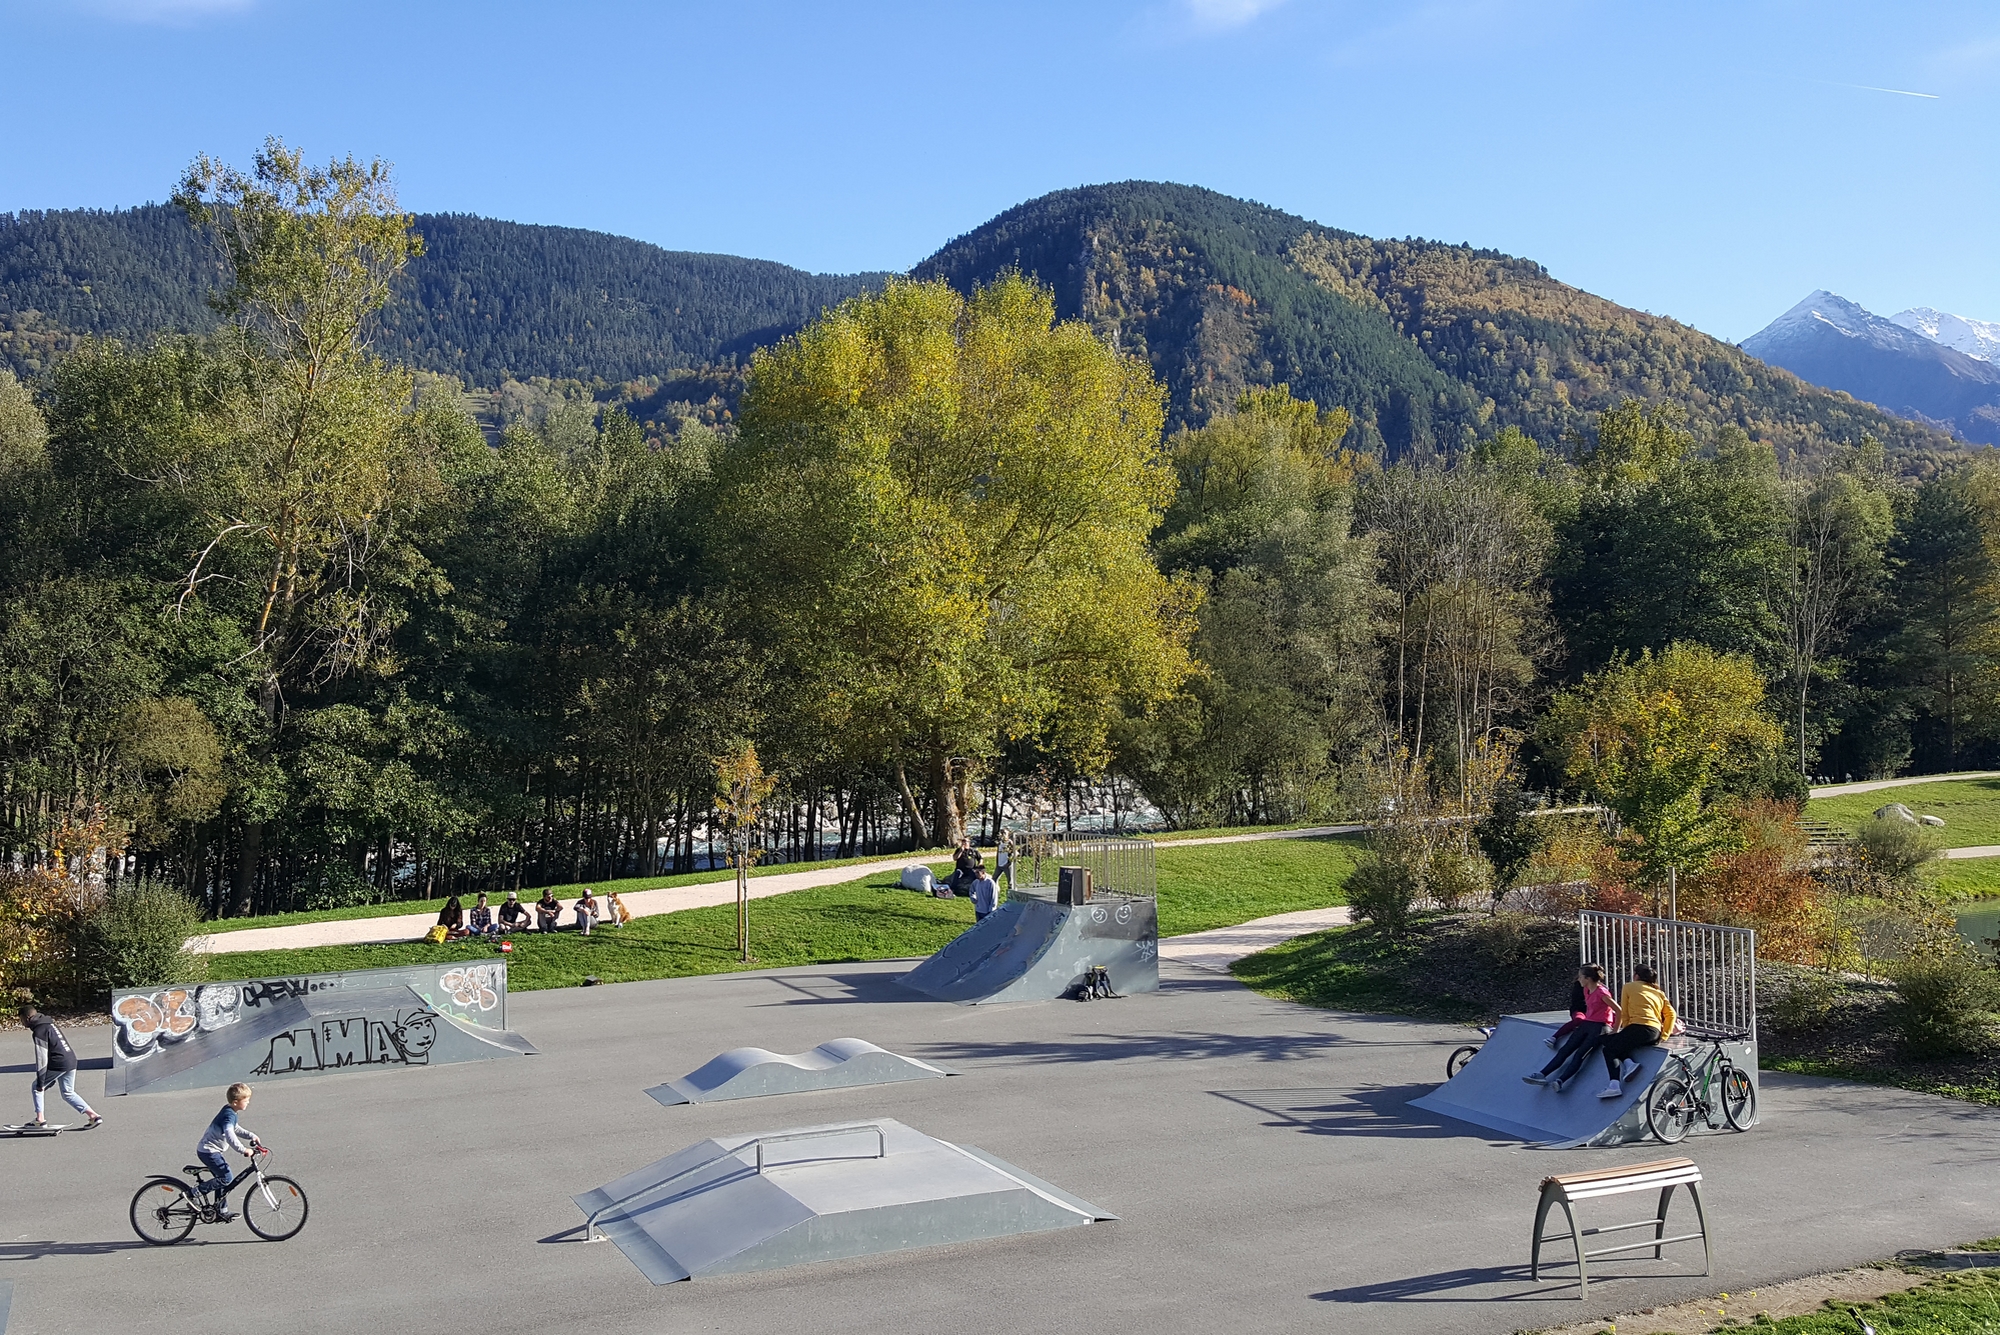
pixel 1686 1089
pixel 1460 1056
pixel 166 1209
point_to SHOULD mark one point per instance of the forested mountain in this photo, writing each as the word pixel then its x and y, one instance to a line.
pixel 278 618
pixel 1427 344
pixel 488 301
pixel 1831 341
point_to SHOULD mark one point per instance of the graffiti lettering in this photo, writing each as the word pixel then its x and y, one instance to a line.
pixel 358 1040
pixel 276 989
pixel 476 985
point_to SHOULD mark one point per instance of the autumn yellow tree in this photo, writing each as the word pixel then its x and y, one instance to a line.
pixel 936 518
pixel 1658 739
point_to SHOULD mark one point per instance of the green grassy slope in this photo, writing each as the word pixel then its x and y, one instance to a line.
pixel 865 919
pixel 1970 807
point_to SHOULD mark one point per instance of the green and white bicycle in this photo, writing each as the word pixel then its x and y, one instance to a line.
pixel 1699 1085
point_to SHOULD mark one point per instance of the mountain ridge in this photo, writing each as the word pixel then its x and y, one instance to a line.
pixel 1429 345
pixel 1839 344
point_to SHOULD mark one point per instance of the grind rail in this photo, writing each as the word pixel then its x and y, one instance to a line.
pixel 590 1233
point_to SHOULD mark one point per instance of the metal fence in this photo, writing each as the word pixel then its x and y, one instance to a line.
pixel 1117 866
pixel 1709 973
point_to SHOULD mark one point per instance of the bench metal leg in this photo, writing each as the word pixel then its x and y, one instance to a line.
pixel 1535 1251
pixel 1582 1271
pixel 1660 1227
pixel 1701 1222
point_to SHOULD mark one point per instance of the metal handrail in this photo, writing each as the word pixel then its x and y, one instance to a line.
pixel 759 1142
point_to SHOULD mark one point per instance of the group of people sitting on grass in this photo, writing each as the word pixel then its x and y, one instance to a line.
pixel 1617 1029
pixel 514 916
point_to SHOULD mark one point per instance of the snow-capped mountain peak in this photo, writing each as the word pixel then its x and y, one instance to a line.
pixel 1974 338
pixel 1826 312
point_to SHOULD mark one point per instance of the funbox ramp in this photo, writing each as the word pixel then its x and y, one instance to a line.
pixel 742 1203
pixel 1032 949
pixel 1489 1091
pixel 314 1024
pixel 749 1073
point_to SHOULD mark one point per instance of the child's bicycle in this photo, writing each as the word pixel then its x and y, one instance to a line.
pixel 1708 1084
pixel 166 1209
pixel 1460 1056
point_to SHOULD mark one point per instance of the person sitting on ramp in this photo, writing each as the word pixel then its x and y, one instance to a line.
pixel 55 1064
pixel 1646 1015
pixel 1595 1015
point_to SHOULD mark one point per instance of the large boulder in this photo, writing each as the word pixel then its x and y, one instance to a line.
pixel 1896 811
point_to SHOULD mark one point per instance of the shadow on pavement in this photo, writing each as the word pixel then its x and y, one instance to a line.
pixel 1380 1111
pixel 1450 1286
pixel 35 1251
pixel 1165 1044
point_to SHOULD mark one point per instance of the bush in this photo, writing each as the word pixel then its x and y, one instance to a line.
pixel 1806 1002
pixel 1383 891
pixel 1948 1001
pixel 138 938
pixel 338 887
pixel 1896 848
pixel 1456 878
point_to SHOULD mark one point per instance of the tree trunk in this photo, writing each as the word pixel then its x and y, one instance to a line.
pixel 911 810
pixel 947 818
pixel 247 857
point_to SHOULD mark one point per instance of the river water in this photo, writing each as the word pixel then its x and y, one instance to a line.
pixel 1979 922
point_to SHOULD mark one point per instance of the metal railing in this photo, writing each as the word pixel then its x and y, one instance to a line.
pixel 1709 973
pixel 590 1233
pixel 1117 866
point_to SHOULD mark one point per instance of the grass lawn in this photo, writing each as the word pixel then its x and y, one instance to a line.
pixel 869 918
pixel 1966 878
pixel 1970 807
pixel 1462 967
pixel 1965 1302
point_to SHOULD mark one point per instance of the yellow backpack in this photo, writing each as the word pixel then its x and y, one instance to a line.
pixel 437 934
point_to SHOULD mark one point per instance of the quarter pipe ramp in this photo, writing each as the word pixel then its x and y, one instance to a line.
pixel 212 1034
pixel 1490 1093
pixel 1033 949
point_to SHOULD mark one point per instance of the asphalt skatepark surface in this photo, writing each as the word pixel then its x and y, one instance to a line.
pixel 1261 1155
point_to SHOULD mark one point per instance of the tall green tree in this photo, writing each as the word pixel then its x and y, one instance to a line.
pixel 936 519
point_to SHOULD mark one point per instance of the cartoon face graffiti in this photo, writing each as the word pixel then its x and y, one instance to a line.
pixel 416 1034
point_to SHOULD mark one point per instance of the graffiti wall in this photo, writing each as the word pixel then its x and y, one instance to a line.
pixel 157 1019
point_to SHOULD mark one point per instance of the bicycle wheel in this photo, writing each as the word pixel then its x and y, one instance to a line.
pixel 1739 1099
pixel 1670 1110
pixel 164 1211
pixel 1459 1057
pixel 275 1208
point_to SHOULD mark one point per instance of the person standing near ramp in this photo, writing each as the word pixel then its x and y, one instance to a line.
pixel 55 1064
pixel 1647 1015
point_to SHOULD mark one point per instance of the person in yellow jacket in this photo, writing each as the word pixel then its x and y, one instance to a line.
pixel 1645 1014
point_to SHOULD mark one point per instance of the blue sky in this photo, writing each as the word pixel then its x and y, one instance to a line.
pixel 1710 161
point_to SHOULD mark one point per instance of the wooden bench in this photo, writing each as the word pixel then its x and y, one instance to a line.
pixel 1662 1175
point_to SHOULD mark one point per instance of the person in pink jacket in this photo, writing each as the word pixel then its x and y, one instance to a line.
pixel 1600 1012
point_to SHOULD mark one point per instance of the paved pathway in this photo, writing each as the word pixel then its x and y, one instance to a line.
pixel 1222 947
pixel 1976 851
pixel 1875 785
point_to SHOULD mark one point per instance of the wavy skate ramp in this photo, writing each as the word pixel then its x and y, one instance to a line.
pixel 1033 949
pixel 1490 1093
pixel 314 1024
pixel 750 1073
pixel 741 1203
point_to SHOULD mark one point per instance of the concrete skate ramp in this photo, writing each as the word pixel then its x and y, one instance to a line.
pixel 1033 949
pixel 820 1194
pixel 1489 1092
pixel 749 1073
pixel 255 1032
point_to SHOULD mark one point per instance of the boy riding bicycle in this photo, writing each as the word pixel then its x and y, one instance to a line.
pixel 226 1133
